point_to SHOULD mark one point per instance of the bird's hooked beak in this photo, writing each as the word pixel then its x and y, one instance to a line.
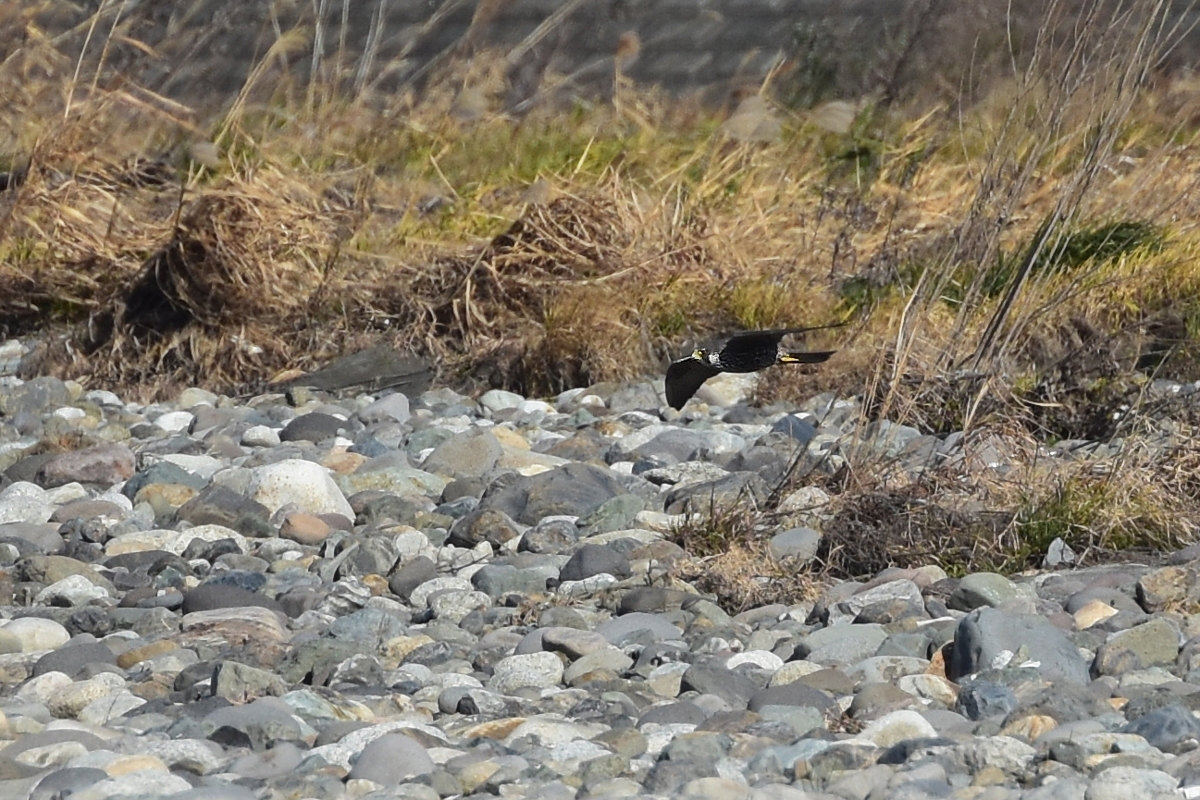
pixel 700 354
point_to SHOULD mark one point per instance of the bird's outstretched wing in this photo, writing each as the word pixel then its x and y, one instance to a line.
pixel 684 377
pixel 777 334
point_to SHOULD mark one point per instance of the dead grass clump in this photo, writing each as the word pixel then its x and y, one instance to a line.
pixel 244 268
pixel 477 297
pixel 71 238
pixel 729 558
pixel 528 310
pixel 908 527
pixel 1001 505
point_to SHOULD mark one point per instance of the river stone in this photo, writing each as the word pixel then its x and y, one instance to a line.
pixel 465 455
pixel 985 589
pixel 732 489
pixel 305 484
pixel 1152 643
pixel 594 559
pixel 103 464
pixel 391 760
pixel 538 670
pixel 987 636
pixel 576 489
pixel 220 505
pixel 312 427
pixel 394 407
pixel 34 633
pixel 797 543
pixel 33 396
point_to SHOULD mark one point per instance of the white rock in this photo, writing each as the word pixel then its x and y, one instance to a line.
pixel 260 436
pixel 142 783
pixel 73 590
pixel 728 388
pixel 305 483
pixel 588 585
pixel 806 498
pixel 25 508
pixel 70 413
pixel 410 543
pixel 659 735
pixel 193 396
pixel 393 408
pixel 793 671
pixel 534 407
pixel 498 400
pixel 70 700
pixel 104 710
pixel 65 493
pixel 56 754
pixel 763 659
pixel 540 670
pixel 175 421
pixel 897 727
pixel 102 397
pixel 171 541
pixel 22 489
pixel 421 594
pixel 455 604
pixel 41 688
pixel 200 465
pixel 35 633
pixel 666 679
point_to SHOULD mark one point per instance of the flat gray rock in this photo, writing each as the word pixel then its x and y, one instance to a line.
pixel 989 637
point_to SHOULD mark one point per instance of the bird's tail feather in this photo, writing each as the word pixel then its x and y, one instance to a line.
pixel 806 358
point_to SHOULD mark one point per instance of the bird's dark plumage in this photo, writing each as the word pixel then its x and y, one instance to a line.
pixel 748 351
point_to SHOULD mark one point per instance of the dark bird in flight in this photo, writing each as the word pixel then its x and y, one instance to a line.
pixel 743 352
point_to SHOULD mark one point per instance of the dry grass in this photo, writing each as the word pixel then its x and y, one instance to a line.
pixel 730 559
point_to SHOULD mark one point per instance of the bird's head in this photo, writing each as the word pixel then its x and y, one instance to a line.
pixel 700 354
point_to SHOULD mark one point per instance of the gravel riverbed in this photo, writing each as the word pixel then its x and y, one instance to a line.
pixel 303 596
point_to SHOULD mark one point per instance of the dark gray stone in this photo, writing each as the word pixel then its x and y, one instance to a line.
pixel 668 777
pixel 734 488
pixel 797 428
pixel 575 489
pixel 680 711
pixel 792 694
pixel 484 524
pixel 219 505
pixel 314 427
pixel 207 598
pixel 411 575
pixel 593 559
pixel 986 632
pixel 732 687
pixel 982 699
pixel 75 658
pixel 392 759
pixel 1172 729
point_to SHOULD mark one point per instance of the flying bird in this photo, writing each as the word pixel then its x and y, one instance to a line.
pixel 749 351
